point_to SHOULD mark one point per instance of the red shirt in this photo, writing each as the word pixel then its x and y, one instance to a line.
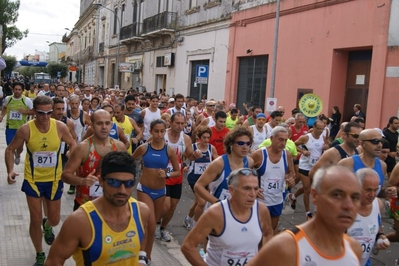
pixel 296 135
pixel 217 139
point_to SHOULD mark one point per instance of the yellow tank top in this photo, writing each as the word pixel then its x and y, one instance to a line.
pixel 31 95
pixel 108 247
pixel 43 156
pixel 127 130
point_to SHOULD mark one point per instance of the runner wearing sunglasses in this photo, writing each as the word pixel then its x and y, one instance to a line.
pixel 237 144
pixel 236 226
pixel 371 144
pixel 347 149
pixel 112 227
pixel 43 169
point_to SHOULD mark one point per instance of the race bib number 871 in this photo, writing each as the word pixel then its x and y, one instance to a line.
pixel 44 159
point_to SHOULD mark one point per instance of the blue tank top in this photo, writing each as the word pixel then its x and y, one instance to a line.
pixel 198 166
pixel 113 133
pixel 358 164
pixel 219 187
pixel 156 159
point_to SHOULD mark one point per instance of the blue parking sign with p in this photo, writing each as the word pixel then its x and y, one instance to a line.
pixel 201 74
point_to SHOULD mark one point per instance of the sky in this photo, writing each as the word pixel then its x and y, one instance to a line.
pixel 46 20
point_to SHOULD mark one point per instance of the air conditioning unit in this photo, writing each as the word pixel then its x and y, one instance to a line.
pixel 138 65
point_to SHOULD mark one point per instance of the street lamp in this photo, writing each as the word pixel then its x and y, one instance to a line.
pixel 78 77
pixel 58 51
pixel 120 27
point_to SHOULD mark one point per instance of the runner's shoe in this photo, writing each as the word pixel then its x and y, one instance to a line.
pixel 48 233
pixel 188 223
pixel 40 258
pixel 166 237
pixel 157 233
pixel 71 190
pixel 292 202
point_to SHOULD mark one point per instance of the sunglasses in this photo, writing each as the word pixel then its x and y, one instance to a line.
pixel 356 136
pixel 211 105
pixel 374 141
pixel 40 112
pixel 242 143
pixel 247 172
pixel 116 183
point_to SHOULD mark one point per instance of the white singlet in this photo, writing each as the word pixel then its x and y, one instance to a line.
pixel 148 118
pixel 259 137
pixel 315 146
pixel 238 242
pixel 365 230
pixel 308 254
pixel 272 178
pixel 211 122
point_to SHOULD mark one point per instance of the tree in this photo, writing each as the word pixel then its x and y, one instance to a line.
pixel 8 17
pixel 11 61
pixel 54 68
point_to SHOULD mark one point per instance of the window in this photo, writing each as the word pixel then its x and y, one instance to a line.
pixel 122 13
pixel 160 61
pixel 115 20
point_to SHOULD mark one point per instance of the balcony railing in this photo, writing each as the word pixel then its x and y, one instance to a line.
pixel 132 30
pixel 164 20
pixel 101 47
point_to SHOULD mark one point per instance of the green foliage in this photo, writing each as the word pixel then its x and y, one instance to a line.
pixel 8 17
pixel 53 68
pixel 11 61
pixel 29 71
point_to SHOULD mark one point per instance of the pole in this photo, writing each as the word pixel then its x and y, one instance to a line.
pixel 275 50
pixel 200 91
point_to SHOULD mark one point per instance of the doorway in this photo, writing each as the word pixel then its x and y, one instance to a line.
pixel 357 82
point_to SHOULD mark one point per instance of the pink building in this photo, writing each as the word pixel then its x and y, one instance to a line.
pixel 345 51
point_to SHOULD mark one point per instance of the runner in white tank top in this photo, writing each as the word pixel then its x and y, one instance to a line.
pixel 147 119
pixel 259 137
pixel 211 121
pixel 228 248
pixel 315 147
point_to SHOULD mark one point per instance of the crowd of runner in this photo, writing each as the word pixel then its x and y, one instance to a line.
pixel 246 169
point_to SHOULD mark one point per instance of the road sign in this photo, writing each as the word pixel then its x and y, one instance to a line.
pixel 201 74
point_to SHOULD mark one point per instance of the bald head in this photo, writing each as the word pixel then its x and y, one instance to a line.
pixel 331 173
pixel 100 114
pixel 369 134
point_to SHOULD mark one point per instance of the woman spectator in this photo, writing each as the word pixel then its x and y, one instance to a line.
pixel 335 122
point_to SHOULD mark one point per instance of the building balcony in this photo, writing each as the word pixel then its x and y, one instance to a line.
pixel 131 31
pixel 162 23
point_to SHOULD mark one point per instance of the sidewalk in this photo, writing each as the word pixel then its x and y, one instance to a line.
pixel 16 247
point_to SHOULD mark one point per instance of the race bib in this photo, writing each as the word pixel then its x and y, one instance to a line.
pixel 44 159
pixel 274 186
pixel 96 190
pixel 225 194
pixel 169 168
pixel 313 160
pixel 199 168
pixel 15 115
pixel 236 258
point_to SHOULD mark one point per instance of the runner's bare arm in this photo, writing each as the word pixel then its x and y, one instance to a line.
pixel 70 238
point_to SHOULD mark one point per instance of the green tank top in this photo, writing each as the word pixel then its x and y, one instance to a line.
pixel 230 123
pixel 14 118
